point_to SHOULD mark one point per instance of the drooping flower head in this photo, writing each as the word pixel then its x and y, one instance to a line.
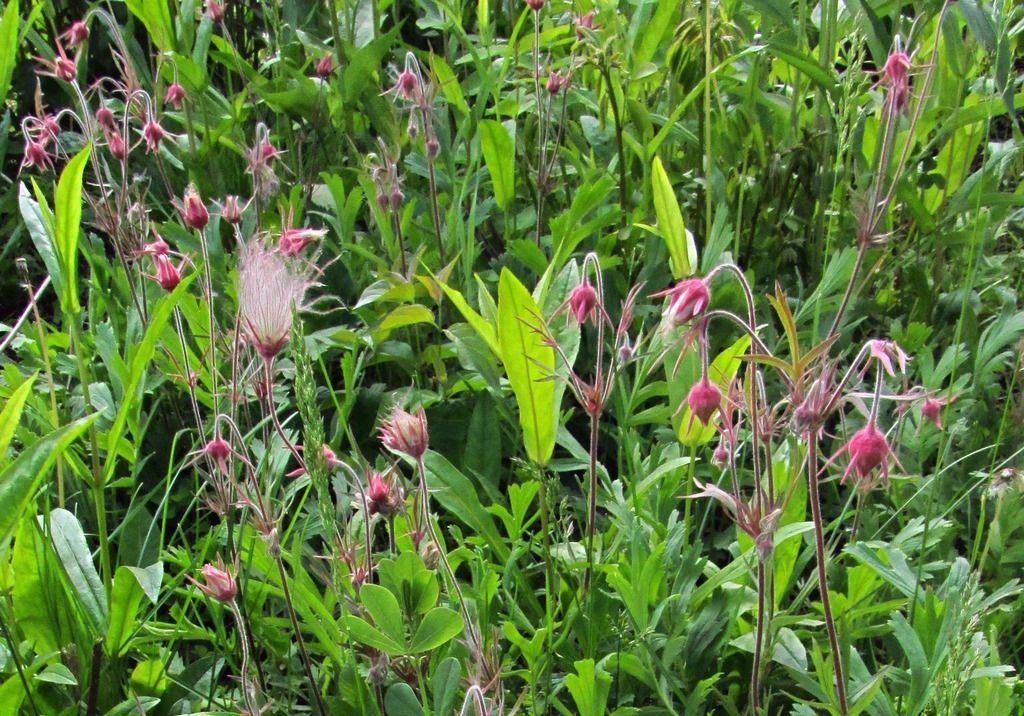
pixel 868 449
pixel 76 34
pixel 270 288
pixel 325 66
pixel 704 399
pixel 175 95
pixel 405 432
pixel 192 210
pixel 687 300
pixel 218 582
pixel 583 302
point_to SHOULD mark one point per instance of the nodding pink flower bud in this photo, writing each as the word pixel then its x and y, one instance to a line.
pixel 117 146
pixel 896 70
pixel 215 10
pixel 721 455
pixel 584 21
pixel 175 95
pixel 36 155
pixel 293 240
pixel 105 118
pixel 535 5
pixel 704 398
pixel 556 82
pixel 405 432
pixel 931 409
pixel 76 34
pixel 407 85
pixel 583 302
pixel 51 126
pixel 433 147
pixel 231 212
pixel 324 67
pixel 157 247
pixel 412 129
pixel 65 69
pixel 154 134
pixel 219 450
pixel 220 584
pixel 395 199
pixel 687 299
pixel 383 201
pixel 625 349
pixel 167 274
pixel 381 496
pixel 885 351
pixel 868 449
pixel 192 210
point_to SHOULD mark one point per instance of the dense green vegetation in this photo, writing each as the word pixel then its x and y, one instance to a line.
pixel 423 357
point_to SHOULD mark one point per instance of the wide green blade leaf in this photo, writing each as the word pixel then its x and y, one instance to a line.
pixel 67 208
pixel 499 154
pixel 73 551
pixel 8 46
pixel 19 480
pixel 529 365
pixel 440 626
pixel 11 414
pixel 682 250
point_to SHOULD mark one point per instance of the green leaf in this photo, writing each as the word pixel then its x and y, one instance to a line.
pixel 156 16
pixel 11 414
pixel 445 684
pixel 499 154
pixel 67 208
pixel 404 316
pixel 459 497
pixel 589 688
pixel 19 480
pixel 365 633
pixel 480 324
pixel 57 674
pixel 529 365
pixel 73 551
pixel 401 700
pixel 440 626
pixel 131 584
pixel 8 46
pixel 383 607
pixel 40 604
pixel 682 250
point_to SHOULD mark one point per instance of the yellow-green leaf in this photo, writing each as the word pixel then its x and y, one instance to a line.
pixel 67 209
pixel 529 365
pixel 682 250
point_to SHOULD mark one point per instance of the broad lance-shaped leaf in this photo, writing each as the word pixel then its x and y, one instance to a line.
pixel 529 365
pixel 682 250
pixel 11 414
pixel 74 553
pixel 499 154
pixel 19 480
pixel 67 209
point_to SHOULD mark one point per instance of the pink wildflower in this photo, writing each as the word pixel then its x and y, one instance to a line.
pixel 687 299
pixel 192 210
pixel 868 449
pixel 269 289
pixel 175 95
pixel 704 399
pixel 76 34
pixel 405 432
pixel 219 582
pixel 583 302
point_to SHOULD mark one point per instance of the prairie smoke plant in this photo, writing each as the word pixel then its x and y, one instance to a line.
pixel 405 432
pixel 270 289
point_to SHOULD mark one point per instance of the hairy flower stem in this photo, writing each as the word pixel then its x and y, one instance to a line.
pixel 592 506
pixel 248 690
pixel 755 672
pixel 449 572
pixel 299 642
pixel 819 548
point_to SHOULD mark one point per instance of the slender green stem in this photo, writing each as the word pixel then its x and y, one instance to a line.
pixel 819 549
pixel 299 642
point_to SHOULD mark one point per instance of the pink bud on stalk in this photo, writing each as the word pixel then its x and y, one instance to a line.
pixel 219 450
pixel 584 22
pixel 704 399
pixel 868 449
pixel 215 11
pixel 583 302
pixel 535 5
pixel 167 274
pixel 324 67
pixel 154 134
pixel 405 432
pixel 231 211
pixel 687 300
pixel 36 155
pixel 76 34
pixel 192 210
pixel 219 582
pixel 105 118
pixel 175 95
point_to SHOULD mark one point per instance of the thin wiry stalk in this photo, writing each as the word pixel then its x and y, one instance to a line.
pixel 819 549
pixel 307 664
